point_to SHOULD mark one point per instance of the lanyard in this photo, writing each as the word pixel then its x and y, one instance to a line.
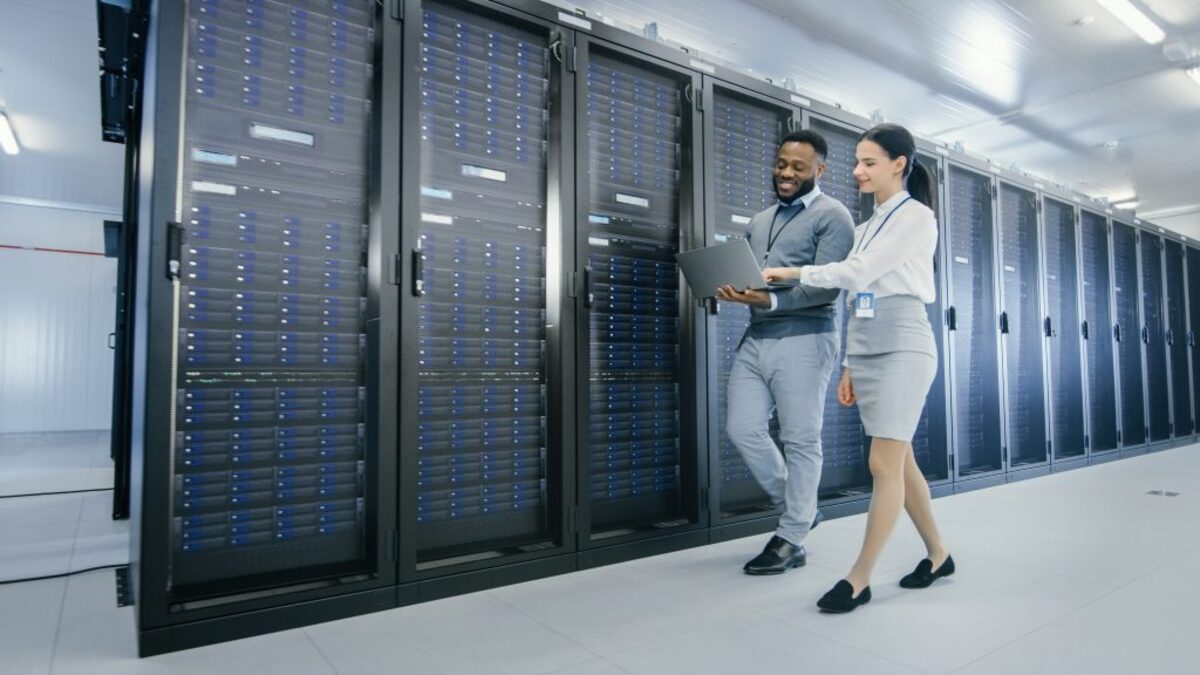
pixel 772 235
pixel 864 242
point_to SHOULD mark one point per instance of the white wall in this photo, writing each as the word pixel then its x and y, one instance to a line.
pixel 56 311
pixel 1187 224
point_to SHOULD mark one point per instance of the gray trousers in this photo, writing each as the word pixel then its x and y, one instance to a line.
pixel 790 375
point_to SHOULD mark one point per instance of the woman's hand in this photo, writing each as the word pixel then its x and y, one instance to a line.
pixel 781 273
pixel 846 389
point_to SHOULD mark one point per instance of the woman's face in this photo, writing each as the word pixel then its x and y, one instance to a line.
pixel 875 169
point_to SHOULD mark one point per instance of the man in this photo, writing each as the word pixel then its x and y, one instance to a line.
pixel 788 353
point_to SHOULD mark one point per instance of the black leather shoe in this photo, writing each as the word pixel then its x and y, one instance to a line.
pixel 840 599
pixel 925 575
pixel 779 556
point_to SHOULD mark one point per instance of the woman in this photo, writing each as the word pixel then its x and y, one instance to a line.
pixel 891 357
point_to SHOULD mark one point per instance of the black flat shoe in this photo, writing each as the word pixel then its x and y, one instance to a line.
pixel 840 599
pixel 779 556
pixel 925 575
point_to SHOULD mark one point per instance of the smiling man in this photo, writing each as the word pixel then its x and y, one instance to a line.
pixel 788 353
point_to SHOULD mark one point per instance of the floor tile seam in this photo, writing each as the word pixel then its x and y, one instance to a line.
pixel 545 625
pixel 62 605
pixel 320 652
pixel 843 643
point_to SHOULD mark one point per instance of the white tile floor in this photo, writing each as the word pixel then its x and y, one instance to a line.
pixel 76 460
pixel 1080 572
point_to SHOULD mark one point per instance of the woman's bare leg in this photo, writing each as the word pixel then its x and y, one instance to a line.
pixel 887 498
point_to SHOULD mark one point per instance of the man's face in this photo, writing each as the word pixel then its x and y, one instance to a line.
pixel 797 168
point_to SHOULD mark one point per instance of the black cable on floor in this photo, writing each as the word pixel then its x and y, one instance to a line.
pixel 64 574
pixel 63 492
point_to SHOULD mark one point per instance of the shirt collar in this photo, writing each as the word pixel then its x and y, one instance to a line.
pixel 807 198
pixel 892 202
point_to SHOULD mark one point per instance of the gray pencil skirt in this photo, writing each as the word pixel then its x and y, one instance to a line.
pixel 892 360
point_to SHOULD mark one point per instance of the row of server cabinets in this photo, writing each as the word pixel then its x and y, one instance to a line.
pixel 410 321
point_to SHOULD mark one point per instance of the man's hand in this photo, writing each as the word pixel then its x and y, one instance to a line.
pixel 772 274
pixel 748 297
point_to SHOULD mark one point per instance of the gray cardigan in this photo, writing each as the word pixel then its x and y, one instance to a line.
pixel 822 233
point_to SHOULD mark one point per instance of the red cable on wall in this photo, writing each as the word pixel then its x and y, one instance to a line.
pixel 49 250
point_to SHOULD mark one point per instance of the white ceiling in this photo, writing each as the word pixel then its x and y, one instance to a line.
pixel 1017 81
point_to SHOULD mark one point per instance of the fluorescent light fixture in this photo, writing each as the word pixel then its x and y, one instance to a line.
pixel 1127 205
pixel 1194 73
pixel 8 140
pixel 1133 17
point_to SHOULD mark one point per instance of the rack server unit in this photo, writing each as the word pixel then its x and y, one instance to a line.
pixel 638 387
pixel 972 319
pixel 1177 339
pixel 483 454
pixel 1064 331
pixel 743 132
pixel 1193 326
pixel 930 442
pixel 1098 333
pixel 1158 395
pixel 260 467
pixel 1127 334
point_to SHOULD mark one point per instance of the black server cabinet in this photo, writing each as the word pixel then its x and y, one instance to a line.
pixel 972 316
pixel 930 442
pixel 1193 323
pixel 742 134
pixel 1158 394
pixel 1097 336
pixel 266 410
pixel 1021 327
pixel 844 473
pixel 1064 330
pixel 1126 332
pixel 484 465
pixel 1177 343
pixel 640 464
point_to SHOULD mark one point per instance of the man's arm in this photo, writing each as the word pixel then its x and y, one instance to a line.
pixel 834 242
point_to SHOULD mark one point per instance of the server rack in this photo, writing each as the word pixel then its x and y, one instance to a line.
pixel 261 437
pixel 1177 345
pixel 1098 338
pixel 1192 261
pixel 486 474
pixel 1158 393
pixel 844 474
pixel 638 193
pixel 971 319
pixel 742 131
pixel 1126 332
pixel 1064 331
pixel 1021 327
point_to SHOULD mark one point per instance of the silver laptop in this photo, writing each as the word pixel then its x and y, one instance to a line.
pixel 729 264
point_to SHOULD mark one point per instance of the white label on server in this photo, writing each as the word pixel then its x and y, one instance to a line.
pixel 572 20
pixel 700 65
pixel 740 220
pixel 286 135
pixel 436 219
pixel 800 100
pixel 597 241
pixel 483 172
pixel 623 198
pixel 961 260
pixel 721 237
pixel 436 193
pixel 215 188
pixel 1009 268
pixel 598 220
pixel 210 157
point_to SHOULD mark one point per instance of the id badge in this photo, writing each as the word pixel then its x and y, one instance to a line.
pixel 864 306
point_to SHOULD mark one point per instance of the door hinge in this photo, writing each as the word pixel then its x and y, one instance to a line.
pixel 572 58
pixel 393 273
pixel 700 100
pixel 572 285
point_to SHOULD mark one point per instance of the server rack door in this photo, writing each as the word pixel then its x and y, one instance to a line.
pixel 1154 338
pixel 743 137
pixel 1193 294
pixel 276 422
pixel 637 464
pixel 1021 327
pixel 930 441
pixel 972 316
pixel 1177 344
pixel 1097 339
pixel 1126 332
pixel 844 444
pixel 1062 324
pixel 482 459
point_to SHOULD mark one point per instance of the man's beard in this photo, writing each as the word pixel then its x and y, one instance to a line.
pixel 803 189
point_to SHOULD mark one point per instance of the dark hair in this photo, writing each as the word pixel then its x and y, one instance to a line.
pixel 897 142
pixel 817 141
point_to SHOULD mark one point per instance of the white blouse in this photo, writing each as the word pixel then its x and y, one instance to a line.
pixel 895 260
